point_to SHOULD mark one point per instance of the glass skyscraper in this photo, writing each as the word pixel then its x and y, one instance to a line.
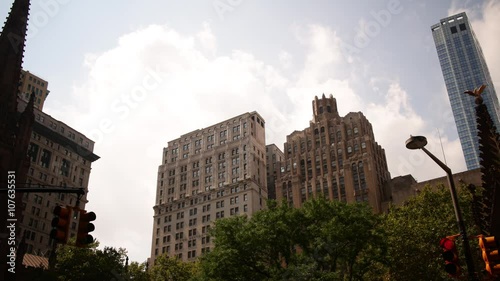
pixel 464 68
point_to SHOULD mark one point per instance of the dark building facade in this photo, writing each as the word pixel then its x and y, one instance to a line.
pixel 274 158
pixel 59 156
pixel 335 157
pixel 15 131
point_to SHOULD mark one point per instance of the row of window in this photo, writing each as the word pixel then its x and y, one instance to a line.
pixel 205 208
pixel 53 147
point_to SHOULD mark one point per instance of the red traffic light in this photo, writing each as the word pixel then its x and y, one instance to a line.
pixel 61 224
pixel 447 244
pixel 450 256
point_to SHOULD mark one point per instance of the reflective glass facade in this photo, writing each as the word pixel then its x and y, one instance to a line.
pixel 464 68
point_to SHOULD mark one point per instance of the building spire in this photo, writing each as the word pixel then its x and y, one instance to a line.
pixel 12 41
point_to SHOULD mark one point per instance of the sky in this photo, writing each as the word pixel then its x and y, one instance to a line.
pixel 133 75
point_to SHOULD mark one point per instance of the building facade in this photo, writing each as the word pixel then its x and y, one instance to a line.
pixel 274 158
pixel 205 175
pixel 32 84
pixel 335 157
pixel 405 187
pixel 464 68
pixel 59 156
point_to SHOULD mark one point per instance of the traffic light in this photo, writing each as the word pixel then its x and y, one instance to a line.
pixel 450 256
pixel 83 238
pixel 489 247
pixel 60 224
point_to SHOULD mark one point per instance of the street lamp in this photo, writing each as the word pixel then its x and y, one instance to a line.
pixel 419 142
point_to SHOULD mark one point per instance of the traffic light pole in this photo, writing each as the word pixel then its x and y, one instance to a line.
pixel 458 214
pixel 46 189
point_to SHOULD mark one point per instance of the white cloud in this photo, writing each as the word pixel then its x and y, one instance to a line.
pixel 285 59
pixel 207 39
pixel 393 122
pixel 487 31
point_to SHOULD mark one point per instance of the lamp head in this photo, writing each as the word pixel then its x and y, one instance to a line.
pixel 416 142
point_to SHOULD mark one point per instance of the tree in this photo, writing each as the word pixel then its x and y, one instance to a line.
pixel 344 240
pixel 172 269
pixel 415 229
pixel 323 241
pixel 82 264
pixel 138 271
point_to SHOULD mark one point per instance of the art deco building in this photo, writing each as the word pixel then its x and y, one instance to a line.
pixel 205 175
pixel 60 156
pixel 335 157
pixel 464 68
pixel 32 84
pixel 274 158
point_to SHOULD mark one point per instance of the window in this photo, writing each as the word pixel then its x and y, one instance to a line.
pixel 462 27
pixel 208 179
pixel 453 29
pixel 33 152
pixel 219 215
pixel 219 204
pixel 45 159
pixel 234 211
pixel 65 166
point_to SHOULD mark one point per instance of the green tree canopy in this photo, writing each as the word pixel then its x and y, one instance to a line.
pixel 324 240
pixel 415 229
pixel 85 264
pixel 172 269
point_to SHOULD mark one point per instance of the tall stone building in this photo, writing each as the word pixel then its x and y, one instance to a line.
pixel 274 158
pixel 335 157
pixel 32 84
pixel 205 175
pixel 59 156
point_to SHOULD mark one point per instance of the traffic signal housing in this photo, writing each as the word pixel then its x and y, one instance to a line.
pixel 83 238
pixel 450 256
pixel 489 247
pixel 60 224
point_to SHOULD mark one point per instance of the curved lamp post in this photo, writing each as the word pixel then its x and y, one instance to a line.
pixel 419 142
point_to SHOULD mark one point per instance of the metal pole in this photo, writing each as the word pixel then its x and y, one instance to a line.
pixel 458 215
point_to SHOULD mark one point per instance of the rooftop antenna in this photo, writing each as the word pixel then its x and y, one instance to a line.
pixel 444 156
